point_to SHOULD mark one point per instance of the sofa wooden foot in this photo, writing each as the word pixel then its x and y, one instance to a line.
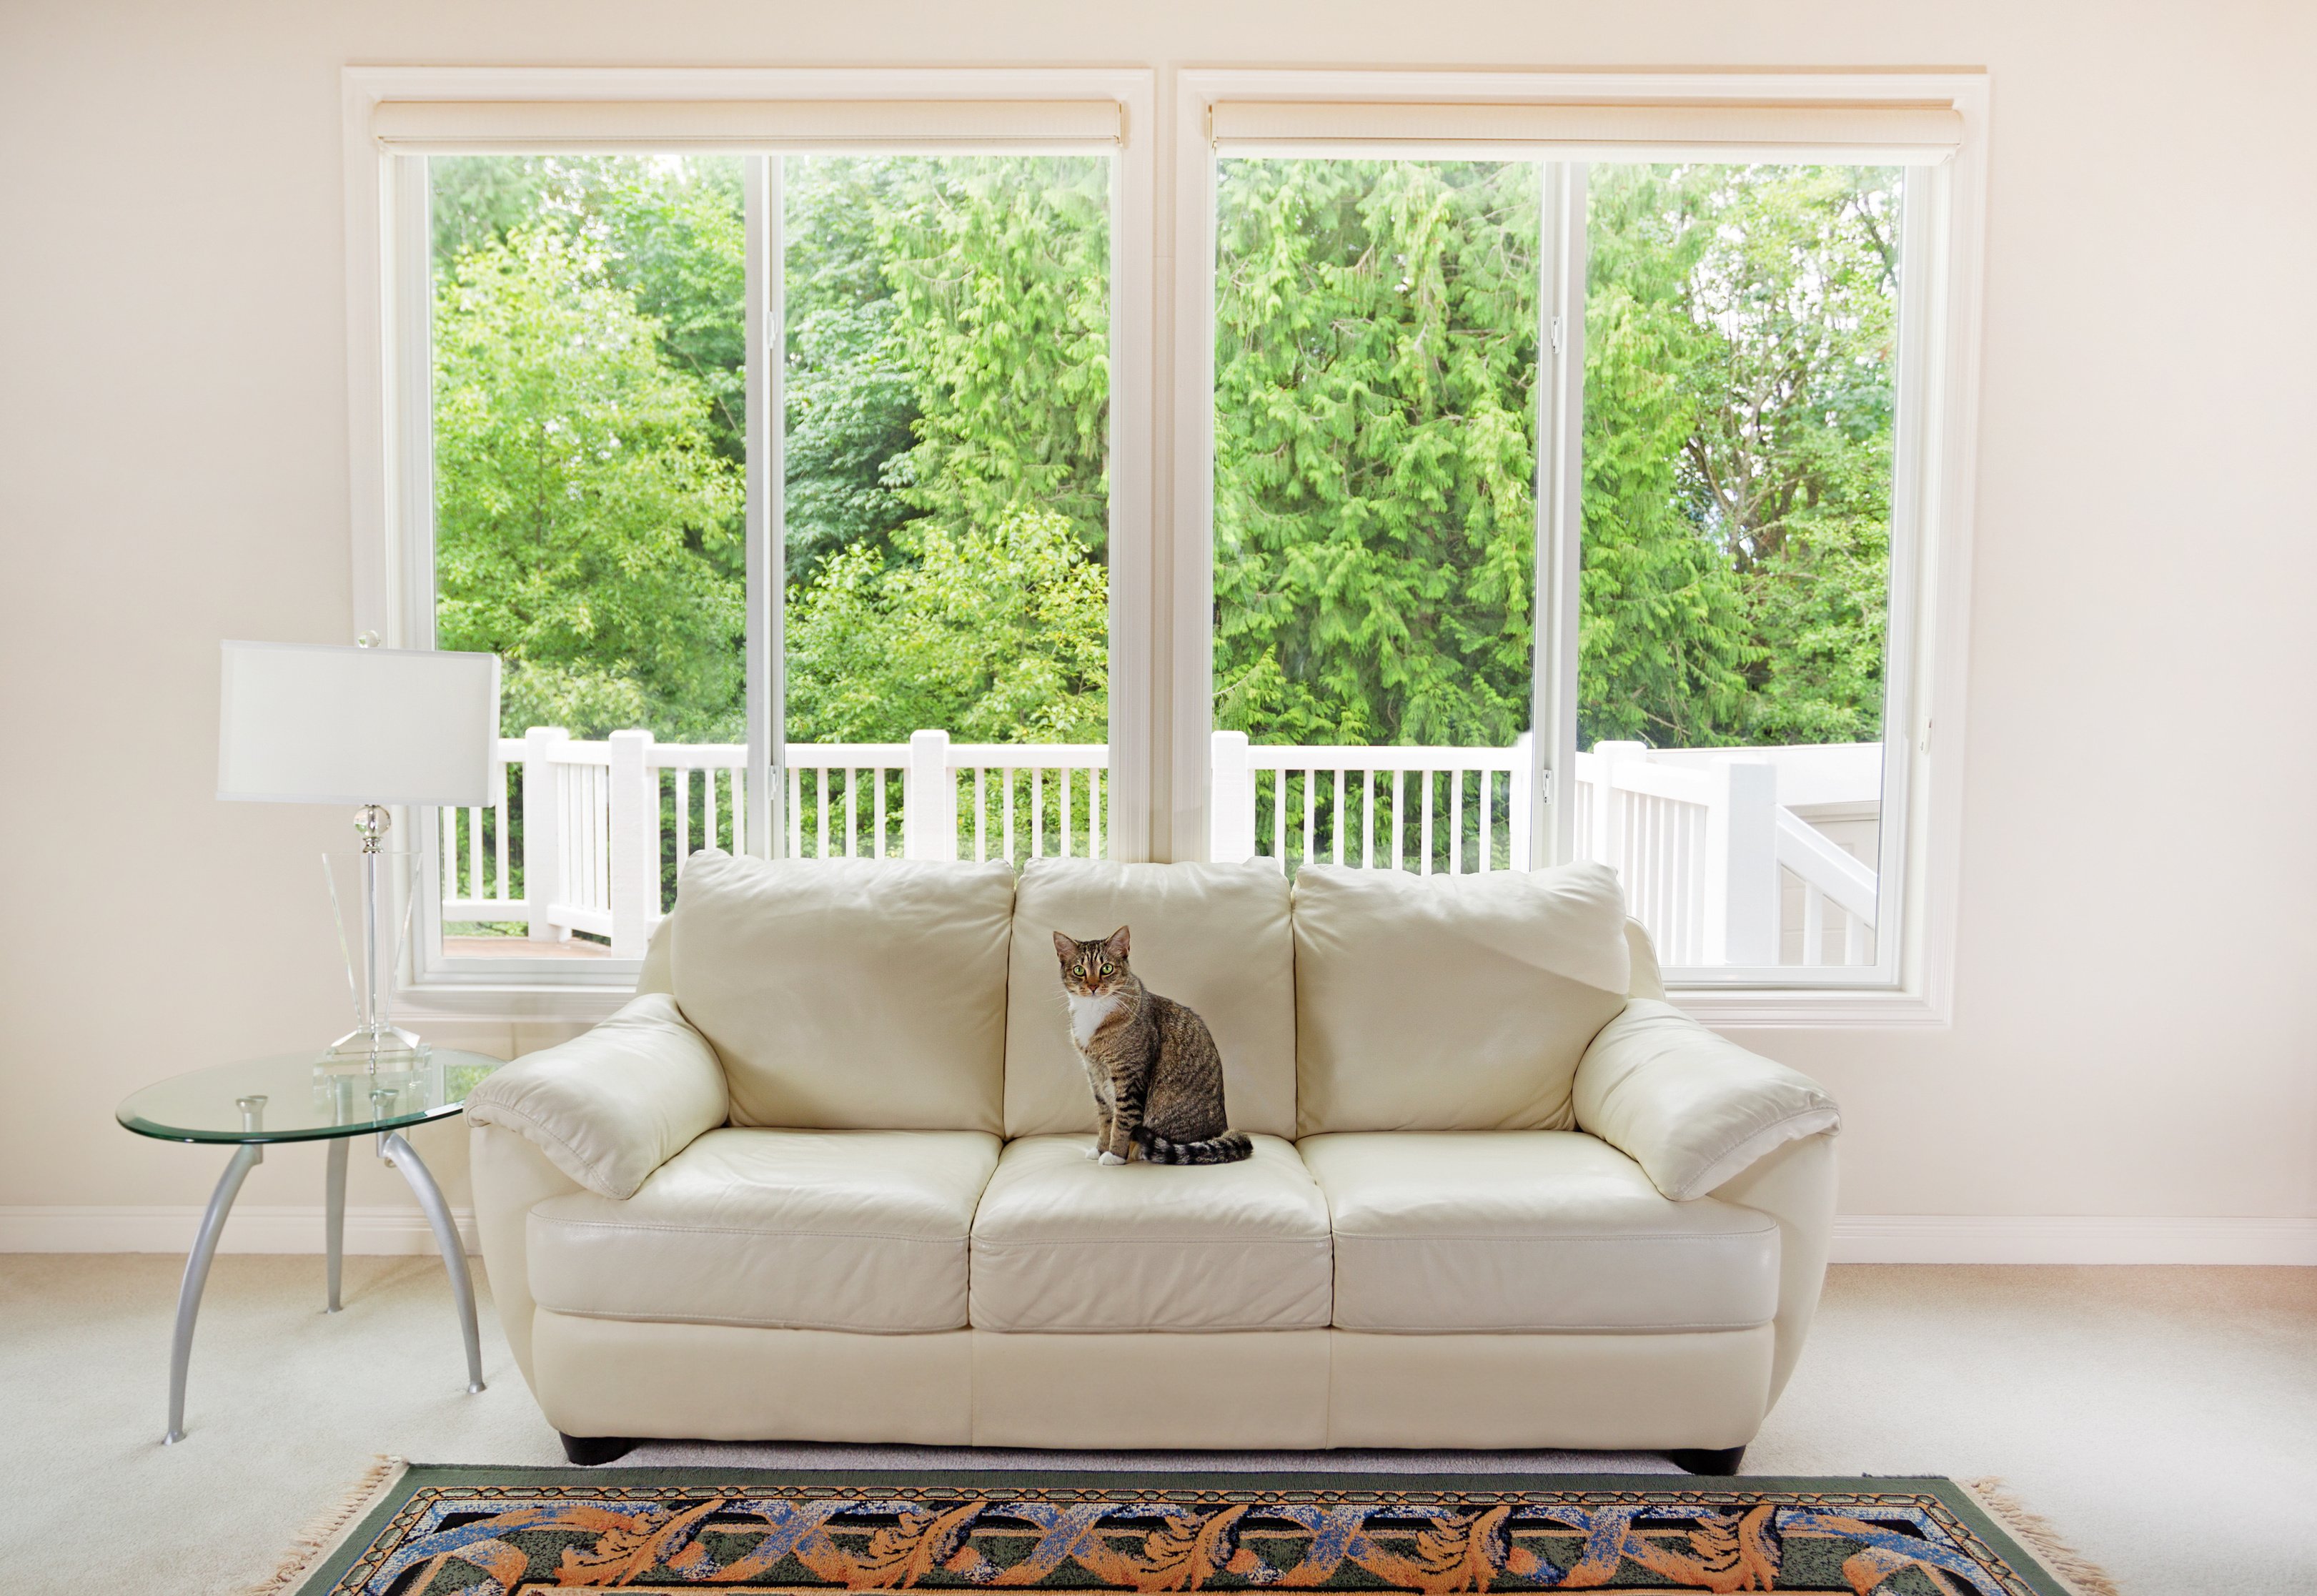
pixel 588 1450
pixel 1718 1460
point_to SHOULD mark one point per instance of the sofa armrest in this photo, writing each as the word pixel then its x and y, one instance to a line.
pixel 609 1108
pixel 510 1177
pixel 1794 1184
pixel 1691 1108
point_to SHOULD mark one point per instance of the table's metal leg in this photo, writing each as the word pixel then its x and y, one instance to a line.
pixel 334 1222
pixel 400 1154
pixel 197 1276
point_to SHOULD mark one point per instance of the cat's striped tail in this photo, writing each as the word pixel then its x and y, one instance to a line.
pixel 1229 1148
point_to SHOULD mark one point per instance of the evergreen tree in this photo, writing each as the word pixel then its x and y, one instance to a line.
pixel 1375 370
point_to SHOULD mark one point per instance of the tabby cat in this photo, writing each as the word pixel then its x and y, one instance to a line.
pixel 1158 1078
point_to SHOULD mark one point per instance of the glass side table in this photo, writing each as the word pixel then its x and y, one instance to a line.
pixel 249 1104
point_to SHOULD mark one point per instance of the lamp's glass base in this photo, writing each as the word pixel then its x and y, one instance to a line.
pixel 389 1051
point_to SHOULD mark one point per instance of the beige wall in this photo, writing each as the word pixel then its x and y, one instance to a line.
pixel 2134 1008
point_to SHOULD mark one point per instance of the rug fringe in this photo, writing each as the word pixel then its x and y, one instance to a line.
pixel 331 1524
pixel 2078 1573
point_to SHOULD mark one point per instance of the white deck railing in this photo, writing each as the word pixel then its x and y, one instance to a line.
pixel 1709 856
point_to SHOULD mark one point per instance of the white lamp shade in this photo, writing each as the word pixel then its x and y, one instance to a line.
pixel 310 723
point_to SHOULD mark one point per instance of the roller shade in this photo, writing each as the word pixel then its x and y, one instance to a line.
pixel 1887 135
pixel 743 127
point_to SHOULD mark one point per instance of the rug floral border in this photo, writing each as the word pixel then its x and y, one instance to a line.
pixel 2007 1566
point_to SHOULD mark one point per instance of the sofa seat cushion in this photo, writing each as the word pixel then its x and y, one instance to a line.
pixel 812 1230
pixel 1063 1243
pixel 1439 1232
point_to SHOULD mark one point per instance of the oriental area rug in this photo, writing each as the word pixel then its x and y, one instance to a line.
pixel 524 1532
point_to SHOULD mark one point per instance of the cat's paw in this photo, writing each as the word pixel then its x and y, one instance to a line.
pixel 1110 1158
pixel 1094 1155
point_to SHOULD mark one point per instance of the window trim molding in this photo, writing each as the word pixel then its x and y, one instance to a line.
pixel 387 424
pixel 1926 669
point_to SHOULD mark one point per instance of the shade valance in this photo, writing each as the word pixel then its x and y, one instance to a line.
pixel 743 127
pixel 1882 134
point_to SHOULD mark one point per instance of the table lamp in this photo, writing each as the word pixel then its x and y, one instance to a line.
pixel 368 726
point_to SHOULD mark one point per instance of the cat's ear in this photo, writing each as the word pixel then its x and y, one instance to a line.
pixel 1116 943
pixel 1064 948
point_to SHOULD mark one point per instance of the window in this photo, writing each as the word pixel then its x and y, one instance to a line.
pixel 1565 465
pixel 1560 469
pixel 1741 344
pixel 1379 325
pixel 946 512
pixel 770 448
pixel 590 442
pixel 1377 341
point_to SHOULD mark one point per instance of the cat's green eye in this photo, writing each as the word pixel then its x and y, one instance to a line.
pixel 1105 966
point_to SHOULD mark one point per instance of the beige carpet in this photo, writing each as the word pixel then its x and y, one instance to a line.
pixel 2164 1418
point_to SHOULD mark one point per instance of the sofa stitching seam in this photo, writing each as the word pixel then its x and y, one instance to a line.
pixel 1522 1238
pixel 983 1241
pixel 753 1322
pixel 1552 1329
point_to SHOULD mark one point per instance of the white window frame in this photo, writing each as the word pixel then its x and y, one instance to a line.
pixel 389 273
pixel 1931 502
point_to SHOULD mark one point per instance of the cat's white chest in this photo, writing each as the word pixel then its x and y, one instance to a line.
pixel 1087 1015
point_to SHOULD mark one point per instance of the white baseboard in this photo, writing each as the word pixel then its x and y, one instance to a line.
pixel 250 1228
pixel 2018 1238
pixel 1858 1238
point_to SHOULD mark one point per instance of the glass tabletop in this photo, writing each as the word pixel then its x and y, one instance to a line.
pixel 291 1099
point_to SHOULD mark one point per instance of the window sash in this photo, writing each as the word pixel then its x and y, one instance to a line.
pixel 406 133
pixel 1923 142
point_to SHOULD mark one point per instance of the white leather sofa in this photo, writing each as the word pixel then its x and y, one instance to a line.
pixel 825 1177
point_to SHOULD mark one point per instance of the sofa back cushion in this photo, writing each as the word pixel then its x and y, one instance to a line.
pixel 1215 936
pixel 848 994
pixel 1451 1002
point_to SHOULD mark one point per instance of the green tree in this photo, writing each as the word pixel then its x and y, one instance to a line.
pixel 1788 466
pixel 579 498
pixel 1375 370
pixel 997 634
pixel 999 268
pixel 852 392
pixel 947 497
pixel 1663 631
pixel 668 231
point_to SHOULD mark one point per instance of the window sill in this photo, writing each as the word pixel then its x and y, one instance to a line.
pixel 1803 1008
pixel 513 995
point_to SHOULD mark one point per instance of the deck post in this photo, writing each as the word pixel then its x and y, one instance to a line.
pixel 928 798
pixel 542 830
pixel 1230 809
pixel 1741 862
pixel 1519 807
pixel 634 842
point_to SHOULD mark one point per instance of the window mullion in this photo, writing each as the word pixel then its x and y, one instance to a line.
pixel 1560 511
pixel 410 490
pixel 767 561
